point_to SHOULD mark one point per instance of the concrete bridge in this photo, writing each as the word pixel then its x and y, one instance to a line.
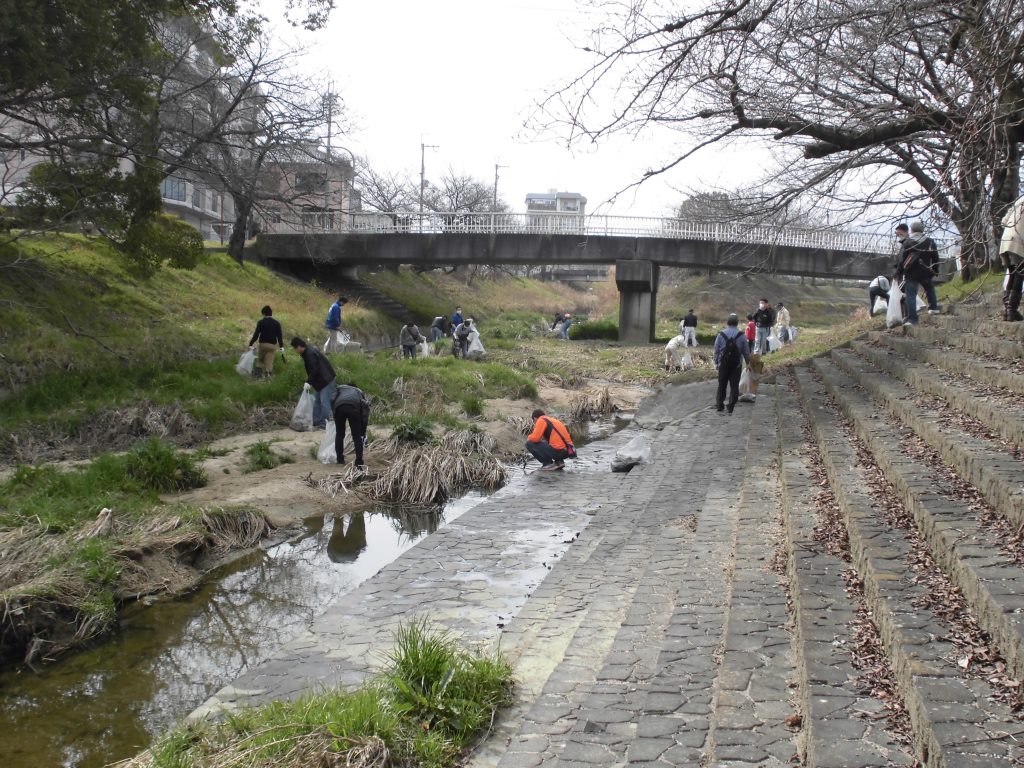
pixel 637 246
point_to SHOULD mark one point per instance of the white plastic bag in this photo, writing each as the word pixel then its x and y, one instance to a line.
pixel 326 454
pixel 636 451
pixel 893 314
pixel 687 360
pixel 424 348
pixel 774 345
pixel 745 382
pixel 302 417
pixel 246 362
pixel 881 305
pixel 476 348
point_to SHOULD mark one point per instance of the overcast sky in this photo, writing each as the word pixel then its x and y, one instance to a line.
pixel 462 75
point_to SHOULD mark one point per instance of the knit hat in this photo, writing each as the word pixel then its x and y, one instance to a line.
pixel 917 226
pixel 733 319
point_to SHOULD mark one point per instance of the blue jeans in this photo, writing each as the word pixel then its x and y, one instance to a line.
pixel 322 404
pixel 435 333
pixel 761 340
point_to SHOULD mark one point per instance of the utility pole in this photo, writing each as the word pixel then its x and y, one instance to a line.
pixel 496 167
pixel 423 173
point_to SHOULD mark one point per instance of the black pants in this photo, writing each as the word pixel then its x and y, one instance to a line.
pixel 350 414
pixel 730 376
pixel 873 295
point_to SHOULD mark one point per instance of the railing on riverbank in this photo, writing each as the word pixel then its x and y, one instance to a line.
pixel 593 225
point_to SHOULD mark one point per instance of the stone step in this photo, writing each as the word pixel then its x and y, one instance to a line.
pixel 992 346
pixel 967 545
pixel 589 694
pixel 987 307
pixel 962 324
pixel 983 463
pixel 843 724
pixel 995 410
pixel 989 372
pixel 956 720
pixel 753 701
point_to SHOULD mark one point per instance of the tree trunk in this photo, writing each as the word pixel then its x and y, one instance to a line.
pixel 236 244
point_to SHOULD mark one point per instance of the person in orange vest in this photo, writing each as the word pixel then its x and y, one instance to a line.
pixel 550 442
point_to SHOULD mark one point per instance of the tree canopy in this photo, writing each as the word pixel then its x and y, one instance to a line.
pixel 858 97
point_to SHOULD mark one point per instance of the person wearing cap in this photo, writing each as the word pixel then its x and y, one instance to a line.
pixel 782 329
pixel 333 325
pixel 919 259
pixel 688 329
pixel 729 362
pixel 563 331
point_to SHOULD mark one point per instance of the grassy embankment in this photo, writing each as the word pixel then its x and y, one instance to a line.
pixel 95 360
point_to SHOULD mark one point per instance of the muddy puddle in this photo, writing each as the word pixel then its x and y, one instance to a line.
pixel 110 701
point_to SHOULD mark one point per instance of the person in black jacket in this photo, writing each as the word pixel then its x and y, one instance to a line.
pixel 269 335
pixel 919 259
pixel 764 319
pixel 320 376
pixel 350 407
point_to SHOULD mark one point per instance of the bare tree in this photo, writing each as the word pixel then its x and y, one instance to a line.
pixel 461 193
pixel 866 104
pixel 385 191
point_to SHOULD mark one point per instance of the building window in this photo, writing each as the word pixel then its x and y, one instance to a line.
pixel 310 181
pixel 198 198
pixel 214 202
pixel 173 189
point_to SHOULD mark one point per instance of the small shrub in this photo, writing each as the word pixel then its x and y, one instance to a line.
pixel 260 456
pixel 413 429
pixel 606 329
pixel 473 406
pixel 155 465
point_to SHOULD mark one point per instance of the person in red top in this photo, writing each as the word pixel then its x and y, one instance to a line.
pixel 550 442
pixel 751 330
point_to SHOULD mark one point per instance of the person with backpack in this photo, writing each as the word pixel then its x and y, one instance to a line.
pixel 408 338
pixel 731 350
pixel 550 442
pixel 350 406
pixel 919 259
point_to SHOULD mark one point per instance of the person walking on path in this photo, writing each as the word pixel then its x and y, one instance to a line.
pixel 1011 253
pixel 350 406
pixel 320 377
pixel 270 337
pixel 877 289
pixel 333 325
pixel 409 337
pixel 918 261
pixel 462 334
pixel 782 330
pixel 549 442
pixel 688 328
pixel 764 319
pixel 731 350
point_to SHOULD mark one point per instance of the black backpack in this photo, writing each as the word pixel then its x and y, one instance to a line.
pixel 731 353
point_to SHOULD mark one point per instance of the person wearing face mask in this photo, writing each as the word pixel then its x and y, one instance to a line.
pixel 764 320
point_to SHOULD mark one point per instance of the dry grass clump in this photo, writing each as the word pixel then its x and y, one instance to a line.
pixel 521 424
pixel 431 474
pixel 591 407
pixel 124 426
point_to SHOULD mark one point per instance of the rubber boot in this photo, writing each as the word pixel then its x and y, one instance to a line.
pixel 1013 314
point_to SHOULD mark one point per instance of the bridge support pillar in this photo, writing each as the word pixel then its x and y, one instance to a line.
pixel 637 282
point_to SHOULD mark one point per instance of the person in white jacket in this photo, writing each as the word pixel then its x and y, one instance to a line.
pixel 1011 253
pixel 782 329
pixel 877 289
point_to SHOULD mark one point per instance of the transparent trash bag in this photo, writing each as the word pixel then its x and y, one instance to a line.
pixel 246 363
pixel 327 454
pixel 302 417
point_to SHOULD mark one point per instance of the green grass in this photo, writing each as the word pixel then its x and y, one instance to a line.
pixel 259 456
pixel 130 483
pixel 425 709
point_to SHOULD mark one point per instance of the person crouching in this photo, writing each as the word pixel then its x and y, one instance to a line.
pixel 549 442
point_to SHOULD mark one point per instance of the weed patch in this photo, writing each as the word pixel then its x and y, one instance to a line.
pixel 260 456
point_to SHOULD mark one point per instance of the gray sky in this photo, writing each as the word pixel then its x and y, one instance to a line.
pixel 462 75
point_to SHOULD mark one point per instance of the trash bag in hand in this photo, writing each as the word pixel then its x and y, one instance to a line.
pixel 246 363
pixel 302 417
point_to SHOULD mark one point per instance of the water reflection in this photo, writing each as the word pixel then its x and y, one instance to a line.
pixel 109 701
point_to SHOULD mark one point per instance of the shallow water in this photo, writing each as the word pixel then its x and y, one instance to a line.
pixel 110 701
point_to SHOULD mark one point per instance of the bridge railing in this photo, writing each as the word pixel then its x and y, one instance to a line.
pixel 573 224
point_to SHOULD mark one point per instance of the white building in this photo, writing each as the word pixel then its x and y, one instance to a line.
pixel 553 210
